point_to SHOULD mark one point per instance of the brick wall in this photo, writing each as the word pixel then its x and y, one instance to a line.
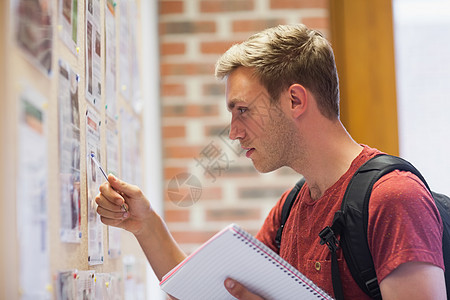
pixel 208 183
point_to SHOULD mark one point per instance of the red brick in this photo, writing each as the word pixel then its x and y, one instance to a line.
pixel 178 110
pixel 214 89
pixel 216 47
pixel 289 4
pixel 182 151
pixel 240 171
pixel 218 130
pixel 173 132
pixel 254 25
pixel 192 237
pixel 195 111
pixel 187 27
pixel 207 193
pixel 170 7
pixel 173 89
pixel 263 192
pixel 211 193
pixel 172 49
pixel 170 172
pixel 186 69
pixel 192 111
pixel 233 214
pixel 218 6
pixel 316 23
pixel 176 215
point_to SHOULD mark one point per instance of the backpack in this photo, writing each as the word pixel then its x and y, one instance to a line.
pixel 350 223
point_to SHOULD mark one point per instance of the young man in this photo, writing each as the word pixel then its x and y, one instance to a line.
pixel 289 71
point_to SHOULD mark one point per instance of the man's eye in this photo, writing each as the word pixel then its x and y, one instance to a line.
pixel 242 110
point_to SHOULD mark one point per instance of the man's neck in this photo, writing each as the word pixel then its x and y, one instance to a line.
pixel 328 158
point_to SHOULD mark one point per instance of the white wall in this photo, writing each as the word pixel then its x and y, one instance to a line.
pixel 152 120
pixel 422 49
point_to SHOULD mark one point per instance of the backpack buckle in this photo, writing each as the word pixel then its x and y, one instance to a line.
pixel 278 236
pixel 373 287
pixel 328 237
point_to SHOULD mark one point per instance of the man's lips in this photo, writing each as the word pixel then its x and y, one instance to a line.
pixel 249 151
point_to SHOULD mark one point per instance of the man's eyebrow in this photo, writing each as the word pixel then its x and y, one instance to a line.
pixel 233 102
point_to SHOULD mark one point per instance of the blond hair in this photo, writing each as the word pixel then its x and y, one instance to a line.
pixel 284 55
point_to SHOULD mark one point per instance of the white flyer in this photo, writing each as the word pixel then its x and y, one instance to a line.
pixel 94 179
pixel 69 154
pixel 93 53
pixel 110 59
pixel 112 166
pixel 32 198
pixel 124 50
pixel 131 151
pixel 68 24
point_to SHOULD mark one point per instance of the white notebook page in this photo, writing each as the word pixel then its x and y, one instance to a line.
pixel 237 254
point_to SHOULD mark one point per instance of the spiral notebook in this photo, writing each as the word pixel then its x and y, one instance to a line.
pixel 235 253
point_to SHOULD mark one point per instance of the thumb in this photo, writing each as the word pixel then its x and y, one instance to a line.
pixel 238 291
pixel 122 187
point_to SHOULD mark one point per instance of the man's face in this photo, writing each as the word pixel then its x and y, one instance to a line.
pixel 264 129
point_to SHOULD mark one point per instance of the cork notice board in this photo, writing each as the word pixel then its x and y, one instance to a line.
pixel 71 87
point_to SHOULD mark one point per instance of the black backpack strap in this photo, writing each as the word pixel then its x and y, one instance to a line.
pixel 350 223
pixel 328 237
pixel 290 199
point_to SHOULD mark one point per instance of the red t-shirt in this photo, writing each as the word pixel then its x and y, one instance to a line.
pixel 404 225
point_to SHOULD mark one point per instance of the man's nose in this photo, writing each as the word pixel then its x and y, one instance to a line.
pixel 237 131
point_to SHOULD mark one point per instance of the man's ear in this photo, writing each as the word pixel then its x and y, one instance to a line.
pixel 299 99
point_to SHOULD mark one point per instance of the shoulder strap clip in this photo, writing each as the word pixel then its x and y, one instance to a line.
pixel 374 288
pixel 328 237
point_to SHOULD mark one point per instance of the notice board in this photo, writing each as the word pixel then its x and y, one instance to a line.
pixel 71 87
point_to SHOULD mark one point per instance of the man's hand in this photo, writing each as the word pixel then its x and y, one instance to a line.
pixel 162 252
pixel 238 291
pixel 114 196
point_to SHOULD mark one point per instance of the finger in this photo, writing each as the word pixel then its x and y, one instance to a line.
pixel 110 222
pixel 122 187
pixel 103 202
pixel 110 194
pixel 238 291
pixel 111 215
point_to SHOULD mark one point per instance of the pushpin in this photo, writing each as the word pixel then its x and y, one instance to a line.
pixel 45 105
pixel 107 284
pixel 49 288
pixel 78 50
pixel 124 87
pixel 59 27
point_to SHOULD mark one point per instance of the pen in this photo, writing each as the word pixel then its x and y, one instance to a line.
pixel 97 163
